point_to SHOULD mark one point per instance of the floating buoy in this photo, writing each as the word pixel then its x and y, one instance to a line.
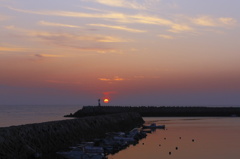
pixel 176 148
pixel 180 137
pixel 193 140
pixel 159 145
pixel 143 143
pixel 165 138
pixel 170 153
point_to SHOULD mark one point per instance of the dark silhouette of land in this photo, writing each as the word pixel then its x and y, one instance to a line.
pixel 163 111
pixel 42 140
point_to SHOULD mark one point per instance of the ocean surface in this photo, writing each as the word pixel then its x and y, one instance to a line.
pixel 188 138
pixel 11 115
pixel 184 137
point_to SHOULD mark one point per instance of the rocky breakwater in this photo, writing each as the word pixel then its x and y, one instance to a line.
pixel 150 111
pixel 36 140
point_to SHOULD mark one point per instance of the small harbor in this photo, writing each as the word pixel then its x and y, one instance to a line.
pixel 111 144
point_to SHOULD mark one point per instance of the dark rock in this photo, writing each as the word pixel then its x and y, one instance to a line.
pixel 149 111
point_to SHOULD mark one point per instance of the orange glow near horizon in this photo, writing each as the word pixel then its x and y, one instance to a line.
pixel 106 100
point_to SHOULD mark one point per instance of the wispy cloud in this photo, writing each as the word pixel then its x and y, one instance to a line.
pixel 177 28
pixel 70 14
pixel 67 36
pixel 166 36
pixel 94 9
pixel 13 49
pixel 228 21
pixel 119 79
pixel 117 17
pixel 48 55
pixel 174 25
pixel 78 42
pixel 64 37
pixel 70 42
pixel 57 24
pixel 105 79
pixel 116 78
pixel 110 39
pixel 214 22
pixel 204 21
pixel 119 28
pixel 122 3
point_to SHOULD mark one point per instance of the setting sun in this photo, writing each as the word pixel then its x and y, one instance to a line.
pixel 106 100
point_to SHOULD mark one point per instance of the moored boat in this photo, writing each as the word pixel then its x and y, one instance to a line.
pixel 153 126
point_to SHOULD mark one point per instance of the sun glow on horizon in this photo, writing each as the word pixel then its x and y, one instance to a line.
pixel 106 100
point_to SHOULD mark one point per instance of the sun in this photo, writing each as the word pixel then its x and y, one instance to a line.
pixel 106 100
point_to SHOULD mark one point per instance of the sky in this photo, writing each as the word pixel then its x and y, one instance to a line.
pixel 133 52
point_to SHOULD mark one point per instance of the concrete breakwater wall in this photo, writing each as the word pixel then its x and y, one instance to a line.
pixel 149 111
pixel 32 140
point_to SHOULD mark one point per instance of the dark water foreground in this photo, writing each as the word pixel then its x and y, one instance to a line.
pixel 188 138
pixel 37 140
pixel 152 111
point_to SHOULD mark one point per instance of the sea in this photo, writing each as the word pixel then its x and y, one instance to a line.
pixel 183 138
pixel 188 138
pixel 12 115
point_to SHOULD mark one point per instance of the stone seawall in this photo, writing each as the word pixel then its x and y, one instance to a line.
pixel 32 140
pixel 151 111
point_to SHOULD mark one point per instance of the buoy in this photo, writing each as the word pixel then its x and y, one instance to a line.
pixel 165 138
pixel 143 143
pixel 193 140
pixel 176 148
pixel 170 153
pixel 180 137
pixel 159 145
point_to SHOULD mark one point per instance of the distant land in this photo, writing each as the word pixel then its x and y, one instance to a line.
pixel 162 111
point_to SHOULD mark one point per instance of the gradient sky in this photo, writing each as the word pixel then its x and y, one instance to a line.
pixel 135 52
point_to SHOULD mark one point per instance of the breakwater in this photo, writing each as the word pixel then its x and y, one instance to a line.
pixel 36 140
pixel 152 111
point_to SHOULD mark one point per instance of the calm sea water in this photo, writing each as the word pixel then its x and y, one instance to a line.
pixel 214 138
pixel 26 114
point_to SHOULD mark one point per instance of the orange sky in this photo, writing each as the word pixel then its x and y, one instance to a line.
pixel 137 52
